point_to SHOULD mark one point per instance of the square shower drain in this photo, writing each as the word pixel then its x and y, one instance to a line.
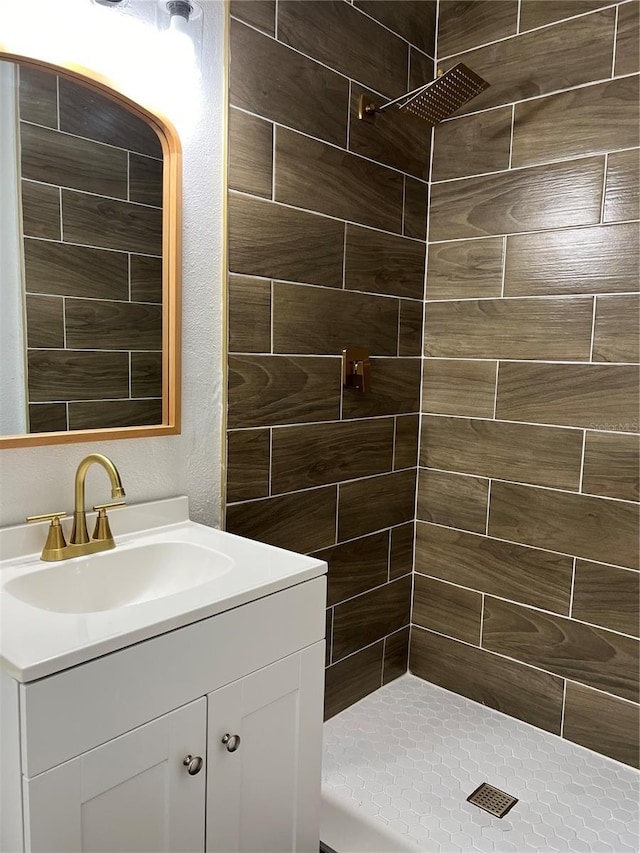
pixel 492 800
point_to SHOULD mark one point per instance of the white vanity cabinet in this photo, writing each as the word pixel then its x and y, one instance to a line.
pixel 101 765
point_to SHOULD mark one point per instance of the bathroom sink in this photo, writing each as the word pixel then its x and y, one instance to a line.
pixel 119 578
pixel 165 572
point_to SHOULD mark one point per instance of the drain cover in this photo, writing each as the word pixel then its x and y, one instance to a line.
pixel 492 800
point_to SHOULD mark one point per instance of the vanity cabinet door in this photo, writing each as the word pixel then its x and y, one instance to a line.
pixel 265 758
pixel 132 794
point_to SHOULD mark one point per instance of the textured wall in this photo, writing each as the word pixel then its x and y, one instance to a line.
pixel 326 250
pixel 92 240
pixel 526 592
pixel 40 479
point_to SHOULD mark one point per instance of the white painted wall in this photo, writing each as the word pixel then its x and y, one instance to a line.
pixel 38 480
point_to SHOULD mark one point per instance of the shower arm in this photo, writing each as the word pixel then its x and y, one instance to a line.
pixel 370 108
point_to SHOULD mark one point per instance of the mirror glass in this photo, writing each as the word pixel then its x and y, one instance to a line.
pixel 88 327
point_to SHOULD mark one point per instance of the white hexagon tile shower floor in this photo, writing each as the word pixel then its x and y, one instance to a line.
pixel 410 754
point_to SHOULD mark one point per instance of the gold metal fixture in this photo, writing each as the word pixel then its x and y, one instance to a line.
pixel 80 545
pixel 434 101
pixel 356 365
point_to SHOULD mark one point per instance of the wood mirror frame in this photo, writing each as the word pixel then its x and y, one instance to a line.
pixel 171 267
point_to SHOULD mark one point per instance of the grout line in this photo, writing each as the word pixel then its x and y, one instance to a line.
pixel 271 312
pixel 615 41
pixel 348 140
pixel 504 267
pixel 563 706
pixel 546 296
pixel 275 23
pixel 395 438
pixel 60 214
pixel 333 622
pixel 605 175
pixel 427 414
pixel 88 138
pixel 582 455
pixel 101 248
pixel 60 188
pixel 129 274
pixel 269 487
pixel 518 16
pixel 372 589
pixel 384 654
pixel 573 492
pixel 273 162
pixel 531 30
pixel 593 329
pixel 573 586
pixel 568 160
pixel 337 538
pixel 513 120
pixel 481 620
pixel 57 104
pixel 344 260
pixel 518 603
pixel 495 392
pixel 288 206
pixel 486 523
pixel 519 544
pixel 64 331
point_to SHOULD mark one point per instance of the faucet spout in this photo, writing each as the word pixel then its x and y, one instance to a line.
pixel 80 534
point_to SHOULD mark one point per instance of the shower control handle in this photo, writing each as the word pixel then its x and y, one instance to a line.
pixel 232 742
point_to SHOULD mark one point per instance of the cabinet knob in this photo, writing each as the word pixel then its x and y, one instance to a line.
pixel 193 764
pixel 232 742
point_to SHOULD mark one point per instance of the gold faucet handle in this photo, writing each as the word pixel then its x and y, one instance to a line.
pixel 102 530
pixel 53 517
pixel 55 537
pixel 101 509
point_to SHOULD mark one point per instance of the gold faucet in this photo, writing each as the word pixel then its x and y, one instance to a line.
pixel 80 544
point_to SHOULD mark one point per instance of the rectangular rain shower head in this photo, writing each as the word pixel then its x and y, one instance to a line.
pixel 434 101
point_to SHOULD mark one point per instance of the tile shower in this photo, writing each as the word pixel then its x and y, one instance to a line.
pixel 524 590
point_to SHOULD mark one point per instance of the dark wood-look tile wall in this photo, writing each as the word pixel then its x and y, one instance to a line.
pixel 447 609
pixel 414 20
pixel 542 61
pixel 566 647
pixel 327 235
pixel 280 242
pixel 76 270
pixel 465 269
pixel 524 213
pixel 595 396
pixel 556 329
pixel 607 596
pixel 527 575
pixel 381 65
pixel 531 199
pixel 590 527
pixel 459 387
pixel 344 185
pixel 602 723
pixel 467 24
pixel 544 456
pixel 627 39
pixel 602 259
pixel 105 414
pixel 522 692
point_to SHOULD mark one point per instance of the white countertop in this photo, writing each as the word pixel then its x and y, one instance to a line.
pixel 35 642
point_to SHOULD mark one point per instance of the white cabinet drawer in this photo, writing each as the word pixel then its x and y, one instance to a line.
pixel 76 710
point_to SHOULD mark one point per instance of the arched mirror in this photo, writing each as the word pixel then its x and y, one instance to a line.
pixel 90 259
